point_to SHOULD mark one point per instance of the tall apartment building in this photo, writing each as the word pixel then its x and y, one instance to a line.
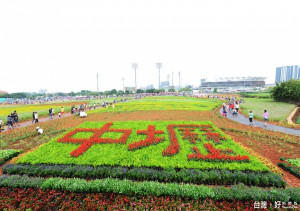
pixel 287 73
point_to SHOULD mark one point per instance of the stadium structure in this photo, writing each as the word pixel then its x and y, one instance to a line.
pixel 235 82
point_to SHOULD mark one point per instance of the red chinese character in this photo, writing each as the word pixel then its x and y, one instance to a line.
pixel 86 143
pixel 187 134
pixel 216 155
pixel 150 139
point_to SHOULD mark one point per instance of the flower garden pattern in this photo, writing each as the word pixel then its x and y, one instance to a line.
pixel 164 144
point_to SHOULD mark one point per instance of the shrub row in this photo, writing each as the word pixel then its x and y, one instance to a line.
pixel 8 154
pixel 290 167
pixel 238 192
pixel 196 176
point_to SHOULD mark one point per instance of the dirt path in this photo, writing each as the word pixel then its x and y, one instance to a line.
pixel 42 119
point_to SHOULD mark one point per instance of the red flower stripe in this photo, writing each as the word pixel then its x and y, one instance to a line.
pixel 216 155
pixel 150 139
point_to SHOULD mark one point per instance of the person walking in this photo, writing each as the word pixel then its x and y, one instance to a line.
pixel 33 117
pixel 62 110
pixel 16 117
pixel 36 117
pixel 237 106
pixel 50 113
pixel 266 117
pixel 251 117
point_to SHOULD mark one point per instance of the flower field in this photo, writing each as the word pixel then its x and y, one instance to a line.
pixel 165 159
pixel 25 111
pixel 156 104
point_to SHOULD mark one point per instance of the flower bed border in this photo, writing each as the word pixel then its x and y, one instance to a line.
pixel 195 176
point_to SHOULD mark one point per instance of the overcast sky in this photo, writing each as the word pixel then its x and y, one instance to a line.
pixel 62 45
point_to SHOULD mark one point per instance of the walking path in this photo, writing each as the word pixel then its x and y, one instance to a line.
pixel 244 120
pixel 41 119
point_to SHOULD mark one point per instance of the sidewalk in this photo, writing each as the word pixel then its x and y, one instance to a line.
pixel 244 120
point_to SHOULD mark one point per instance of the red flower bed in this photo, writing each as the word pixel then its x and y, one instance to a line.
pixel 37 199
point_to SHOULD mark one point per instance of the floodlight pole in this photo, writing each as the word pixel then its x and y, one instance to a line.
pixel 172 79
pixel 158 65
pixel 123 79
pixel 98 83
pixel 179 74
pixel 135 66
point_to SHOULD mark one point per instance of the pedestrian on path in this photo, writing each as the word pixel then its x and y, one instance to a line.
pixel 36 117
pixel 237 106
pixel 33 117
pixel 266 117
pixel 62 110
pixel 224 113
pixel 234 112
pixel 50 113
pixel 251 117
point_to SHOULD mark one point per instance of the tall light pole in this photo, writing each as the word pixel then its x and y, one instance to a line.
pixel 172 79
pixel 98 83
pixel 135 66
pixel 168 77
pixel 179 74
pixel 123 79
pixel 158 65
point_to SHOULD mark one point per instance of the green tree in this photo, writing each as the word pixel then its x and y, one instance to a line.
pixel 139 91
pixel 172 90
pixel 287 91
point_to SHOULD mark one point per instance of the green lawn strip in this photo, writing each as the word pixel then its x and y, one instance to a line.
pixel 278 111
pixel 290 165
pixel 195 176
pixel 165 104
pixel 8 154
pixel 239 192
pixel 298 120
pixel 151 156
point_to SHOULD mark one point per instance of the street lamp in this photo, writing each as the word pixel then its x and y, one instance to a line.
pixel 158 65
pixel 135 66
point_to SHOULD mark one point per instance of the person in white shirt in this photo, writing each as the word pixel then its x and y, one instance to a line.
pixel 82 114
pixel 39 130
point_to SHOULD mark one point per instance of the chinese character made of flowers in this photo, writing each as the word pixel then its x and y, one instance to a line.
pixel 187 131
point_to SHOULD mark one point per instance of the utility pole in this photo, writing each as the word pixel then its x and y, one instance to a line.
pixel 158 65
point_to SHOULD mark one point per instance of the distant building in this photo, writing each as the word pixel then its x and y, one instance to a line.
pixel 286 73
pixel 3 92
pixel 164 85
pixel 131 89
pixel 238 82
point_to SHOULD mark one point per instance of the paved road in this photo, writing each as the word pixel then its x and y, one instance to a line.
pixel 244 120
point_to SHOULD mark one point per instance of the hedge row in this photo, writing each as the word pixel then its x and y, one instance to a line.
pixel 8 154
pixel 195 176
pixel 238 192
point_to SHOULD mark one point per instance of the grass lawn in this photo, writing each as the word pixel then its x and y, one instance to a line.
pixel 298 120
pixel 278 111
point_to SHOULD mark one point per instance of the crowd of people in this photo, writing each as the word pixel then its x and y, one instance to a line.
pixel 234 106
